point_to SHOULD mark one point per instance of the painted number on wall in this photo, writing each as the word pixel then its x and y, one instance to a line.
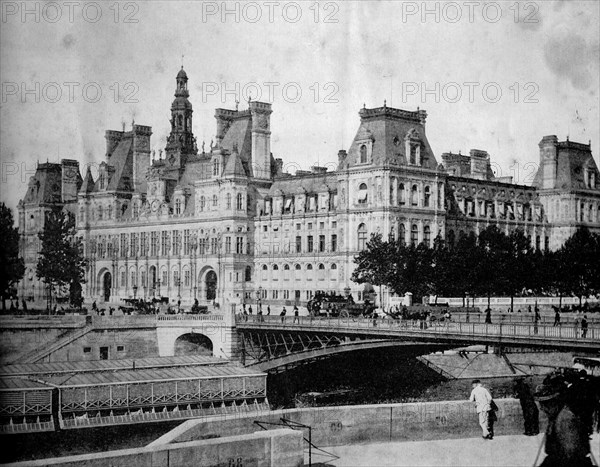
pixel 335 426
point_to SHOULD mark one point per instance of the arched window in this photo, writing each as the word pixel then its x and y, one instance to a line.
pixel 239 205
pixel 228 200
pixel 427 235
pixel 100 213
pixel 362 193
pixel 202 203
pixel 286 267
pixel 334 266
pixel 215 200
pixel 275 267
pixel 363 154
pixel 362 237
pixel 309 267
pixel 414 234
pixel 401 194
pixel 402 234
pixel 180 120
pixel 321 266
pixel 177 206
pixel 248 274
pixel 298 267
pixel 264 267
pixel 413 195
pixel 427 197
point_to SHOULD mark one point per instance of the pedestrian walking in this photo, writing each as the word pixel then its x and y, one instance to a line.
pixel 296 313
pixel 584 326
pixel 531 413
pixel 282 314
pixel 259 313
pixel 536 320
pixel 557 318
pixel 24 306
pixel 528 308
pixel 483 404
pixel 268 310
pixel 250 310
pixel 488 316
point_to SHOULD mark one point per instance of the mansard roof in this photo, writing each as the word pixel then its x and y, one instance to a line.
pixel 573 161
pixel 122 160
pixel 45 187
pixel 239 135
pixel 388 129
pixel 304 184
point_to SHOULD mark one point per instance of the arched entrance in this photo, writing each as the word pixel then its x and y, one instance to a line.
pixel 193 344
pixel 106 285
pixel 211 285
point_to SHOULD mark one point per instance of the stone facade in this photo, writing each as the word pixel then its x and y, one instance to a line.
pixel 226 225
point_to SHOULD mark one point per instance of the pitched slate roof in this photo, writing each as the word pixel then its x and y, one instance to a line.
pixel 234 167
pixel 122 160
pixel 88 182
pixel 310 183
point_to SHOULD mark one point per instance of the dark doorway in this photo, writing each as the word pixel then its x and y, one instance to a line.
pixel 107 282
pixel 211 285
pixel 103 353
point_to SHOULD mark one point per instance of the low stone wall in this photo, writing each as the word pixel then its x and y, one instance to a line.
pixel 333 426
pixel 276 448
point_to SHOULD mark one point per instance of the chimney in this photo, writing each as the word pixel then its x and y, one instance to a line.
pixel 279 167
pixel 112 139
pixel 342 154
pixel 70 178
pixel 480 162
pixel 261 139
pixel 141 156
pixel 548 160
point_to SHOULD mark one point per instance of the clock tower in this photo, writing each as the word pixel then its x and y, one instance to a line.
pixel 181 141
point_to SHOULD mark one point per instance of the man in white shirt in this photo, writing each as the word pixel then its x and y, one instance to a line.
pixel 482 398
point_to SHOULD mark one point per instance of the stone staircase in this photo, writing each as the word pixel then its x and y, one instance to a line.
pixel 38 355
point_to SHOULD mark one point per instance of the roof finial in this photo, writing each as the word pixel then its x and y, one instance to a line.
pixel 567 138
pixel 385 103
pixel 249 98
pixel 364 105
pixel 182 61
pixel 237 103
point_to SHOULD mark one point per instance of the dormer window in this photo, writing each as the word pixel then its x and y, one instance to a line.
pixel 363 154
pixel 178 206
pixel 215 168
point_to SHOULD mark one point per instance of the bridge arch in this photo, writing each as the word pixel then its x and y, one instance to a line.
pixel 193 343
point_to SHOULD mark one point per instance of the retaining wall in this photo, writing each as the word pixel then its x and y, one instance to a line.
pixel 276 448
pixel 333 426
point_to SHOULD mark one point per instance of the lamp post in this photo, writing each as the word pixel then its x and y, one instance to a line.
pixel 258 297
pixel 135 289
pixel 178 284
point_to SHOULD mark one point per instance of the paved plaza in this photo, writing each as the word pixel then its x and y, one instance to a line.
pixel 476 452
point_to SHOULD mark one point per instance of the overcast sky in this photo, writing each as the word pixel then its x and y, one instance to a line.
pixel 452 60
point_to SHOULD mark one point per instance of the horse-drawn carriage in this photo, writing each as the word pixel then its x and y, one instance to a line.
pixel 334 306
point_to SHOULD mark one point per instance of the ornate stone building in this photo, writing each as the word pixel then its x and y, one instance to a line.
pixel 225 224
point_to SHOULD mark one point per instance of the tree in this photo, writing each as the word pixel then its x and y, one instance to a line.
pixel 519 264
pixel 13 266
pixel 61 260
pixel 580 257
pixel 492 267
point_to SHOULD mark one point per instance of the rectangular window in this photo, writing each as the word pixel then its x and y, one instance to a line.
pixel 321 243
pixel 87 350
pixel 123 245
pixel 298 226
pixel 213 245
pixel 186 242
pixel 143 244
pixel 264 228
pixel 298 244
pixel 310 226
pixel 275 294
pixel 153 243
pixel 187 278
pixel 120 348
pixel 321 225
pixel 310 244
pixel 334 225
pixel 122 278
pixel 239 245
pixel 227 244
pixel 164 243
pixel 334 242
